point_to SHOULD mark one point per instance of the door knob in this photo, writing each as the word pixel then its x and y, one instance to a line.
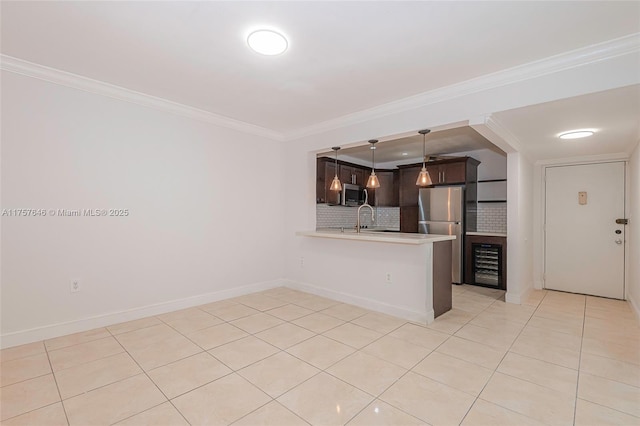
pixel 618 241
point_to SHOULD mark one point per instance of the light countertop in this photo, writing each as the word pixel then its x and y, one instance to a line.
pixel 488 234
pixel 380 237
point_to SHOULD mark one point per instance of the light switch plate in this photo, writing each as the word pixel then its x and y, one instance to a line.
pixel 582 198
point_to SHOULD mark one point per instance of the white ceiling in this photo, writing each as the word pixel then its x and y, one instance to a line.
pixel 613 114
pixel 344 57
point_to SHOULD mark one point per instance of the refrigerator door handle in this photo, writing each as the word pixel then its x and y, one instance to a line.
pixel 439 221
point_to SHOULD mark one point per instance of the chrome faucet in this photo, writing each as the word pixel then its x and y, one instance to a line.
pixel 365 204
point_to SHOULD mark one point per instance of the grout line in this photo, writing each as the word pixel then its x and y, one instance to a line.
pixel 575 401
pixel 64 409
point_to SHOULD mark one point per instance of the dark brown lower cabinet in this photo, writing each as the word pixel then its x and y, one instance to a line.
pixel 441 277
pixel 409 219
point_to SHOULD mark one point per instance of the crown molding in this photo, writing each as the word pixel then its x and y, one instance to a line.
pixel 63 78
pixel 572 59
pixel 553 64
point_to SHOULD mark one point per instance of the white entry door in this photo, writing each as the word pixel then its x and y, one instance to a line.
pixel 584 246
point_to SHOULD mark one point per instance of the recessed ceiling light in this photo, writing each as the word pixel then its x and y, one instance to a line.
pixel 267 42
pixel 576 134
pixel 404 154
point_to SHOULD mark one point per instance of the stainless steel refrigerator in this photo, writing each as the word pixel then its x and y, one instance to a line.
pixel 441 211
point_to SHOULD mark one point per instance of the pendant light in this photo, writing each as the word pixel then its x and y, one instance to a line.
pixel 423 178
pixel 373 179
pixel 335 184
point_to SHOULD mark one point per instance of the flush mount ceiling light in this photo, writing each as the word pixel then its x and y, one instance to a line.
pixel 424 179
pixel 267 42
pixel 373 181
pixel 576 134
pixel 335 184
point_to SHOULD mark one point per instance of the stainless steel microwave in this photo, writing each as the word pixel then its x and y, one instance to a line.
pixel 352 195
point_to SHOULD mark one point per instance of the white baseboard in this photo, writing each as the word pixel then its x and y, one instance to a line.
pixel 363 302
pixel 518 298
pixel 83 324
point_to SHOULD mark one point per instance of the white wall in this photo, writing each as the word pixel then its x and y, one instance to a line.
pixel 633 231
pixel 520 227
pixel 199 223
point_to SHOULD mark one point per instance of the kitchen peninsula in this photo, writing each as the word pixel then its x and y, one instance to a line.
pixel 405 275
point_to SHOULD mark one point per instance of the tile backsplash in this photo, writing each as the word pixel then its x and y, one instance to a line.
pixel 345 217
pixel 492 217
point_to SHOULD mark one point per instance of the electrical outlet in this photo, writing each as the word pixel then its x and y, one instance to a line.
pixel 388 278
pixel 74 286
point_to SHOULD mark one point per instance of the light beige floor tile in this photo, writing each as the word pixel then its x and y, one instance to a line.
pixel 195 320
pixel 221 402
pixel 128 326
pixel 625 353
pixel 285 335
pixel 164 352
pixel 609 393
pixel 209 307
pixel 21 351
pixel 559 315
pixel 233 312
pixel 242 352
pixel 454 372
pixel 320 351
pixel 494 338
pixel 84 352
pixel 316 303
pixel 493 321
pixel 293 296
pixel 611 369
pixel 428 400
pixel 379 322
pixel 379 413
pixel 21 369
pixel 456 315
pixel 353 335
pixel 256 323
pixel 444 325
pixel 260 302
pixel 607 313
pixel 539 372
pixel 628 337
pixel 85 377
pixel 531 400
pixel 419 335
pixel 473 352
pixel 289 312
pixel 356 369
pixel 163 414
pixel 541 348
pixel 278 373
pixel 271 414
pixel 187 374
pixel 113 402
pixel 485 413
pixel 41 391
pixel 74 339
pixel 147 336
pixel 590 414
pixel 397 351
pixel 543 338
pixel 217 335
pixel 318 322
pixel 51 415
pixel 345 311
pixel 603 303
pixel 325 400
pixel 569 327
